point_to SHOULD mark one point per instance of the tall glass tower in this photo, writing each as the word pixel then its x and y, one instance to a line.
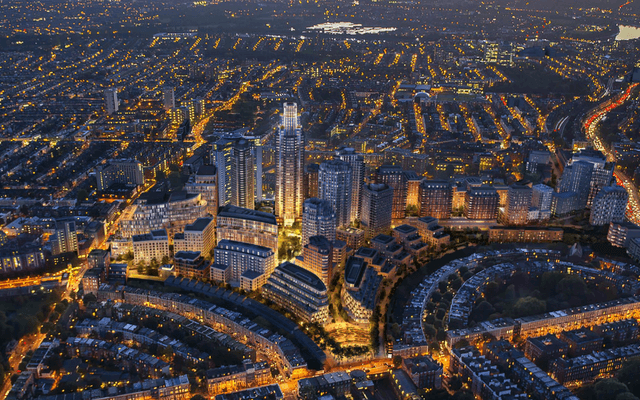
pixel 289 166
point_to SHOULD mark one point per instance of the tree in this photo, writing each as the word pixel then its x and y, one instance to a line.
pixel 529 306
pixel 89 298
pixel 397 361
pixel 629 374
pixel 83 195
pixel 609 388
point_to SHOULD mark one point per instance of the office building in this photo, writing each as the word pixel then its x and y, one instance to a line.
pixel 518 204
pixel 377 204
pixel 394 177
pixel 248 226
pixel 150 246
pixel 609 205
pixel 205 183
pixel 234 159
pixel 356 161
pixel 289 166
pixel 199 236
pixel 481 203
pixel 125 172
pixel 111 100
pixel 243 257
pixel 435 198
pixel 317 257
pixel 334 186
pixel 168 98
pixel 65 238
pixel 311 180
pixel 299 291
pixel 318 218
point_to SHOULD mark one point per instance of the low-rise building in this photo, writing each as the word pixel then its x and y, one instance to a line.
pixel 424 372
pixel 543 349
pixel 582 341
pixel 588 367
pixel 528 234
pixel 190 264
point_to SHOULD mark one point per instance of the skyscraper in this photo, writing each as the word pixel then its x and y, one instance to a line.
pixel 289 166
pixel 377 203
pixel 168 98
pixel 334 185
pixel 318 218
pixel 236 173
pixel 356 161
pixel 111 100
pixel 393 176
pixel 518 203
pixel 609 205
pixel 435 198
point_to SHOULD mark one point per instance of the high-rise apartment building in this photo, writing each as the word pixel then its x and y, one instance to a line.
pixel 435 198
pixel 65 238
pixel 199 236
pixel 601 174
pixel 298 291
pixel 377 204
pixel 234 159
pixel 356 161
pixel 518 204
pixel 289 166
pixel 205 183
pixel 168 98
pixel 541 196
pixel 127 172
pixel 609 205
pixel 162 210
pixel 243 257
pixel 248 226
pixel 311 180
pixel 111 100
pixel 481 203
pixel 334 186
pixel 318 218
pixel 577 178
pixel 317 256
pixel 150 246
pixel 393 176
